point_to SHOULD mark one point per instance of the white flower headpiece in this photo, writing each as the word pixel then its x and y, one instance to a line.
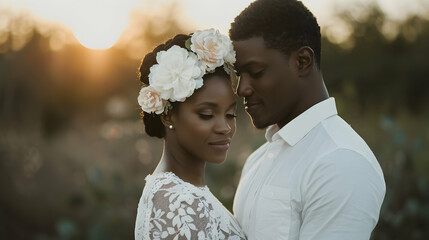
pixel 179 72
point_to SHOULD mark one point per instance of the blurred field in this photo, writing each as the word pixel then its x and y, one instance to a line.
pixel 73 155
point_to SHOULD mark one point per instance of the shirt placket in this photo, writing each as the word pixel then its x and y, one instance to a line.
pixel 263 176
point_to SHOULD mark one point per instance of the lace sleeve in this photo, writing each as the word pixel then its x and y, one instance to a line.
pixel 179 213
pixel 172 209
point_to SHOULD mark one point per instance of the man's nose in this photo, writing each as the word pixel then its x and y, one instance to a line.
pixel 244 88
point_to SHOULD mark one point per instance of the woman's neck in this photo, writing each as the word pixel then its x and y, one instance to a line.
pixel 177 160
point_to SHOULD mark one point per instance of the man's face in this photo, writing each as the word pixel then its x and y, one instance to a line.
pixel 268 82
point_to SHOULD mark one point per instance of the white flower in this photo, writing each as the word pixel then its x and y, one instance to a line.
pixel 150 100
pixel 212 48
pixel 177 74
pixel 229 48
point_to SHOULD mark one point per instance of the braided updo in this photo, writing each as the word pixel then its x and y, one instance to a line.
pixel 152 121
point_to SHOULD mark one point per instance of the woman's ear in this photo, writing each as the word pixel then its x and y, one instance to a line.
pixel 305 60
pixel 166 120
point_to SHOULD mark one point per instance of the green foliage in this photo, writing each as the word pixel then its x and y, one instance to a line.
pixel 390 72
pixel 381 88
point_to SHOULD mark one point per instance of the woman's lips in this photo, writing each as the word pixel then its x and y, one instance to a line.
pixel 221 145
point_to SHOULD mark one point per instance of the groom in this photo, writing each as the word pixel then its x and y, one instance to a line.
pixel 314 178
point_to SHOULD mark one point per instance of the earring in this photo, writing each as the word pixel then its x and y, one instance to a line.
pixel 171 126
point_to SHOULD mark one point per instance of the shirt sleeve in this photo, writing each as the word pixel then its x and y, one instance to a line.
pixel 342 198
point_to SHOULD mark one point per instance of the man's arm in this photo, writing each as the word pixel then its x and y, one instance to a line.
pixel 342 197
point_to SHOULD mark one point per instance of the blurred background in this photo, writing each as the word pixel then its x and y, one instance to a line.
pixel 73 153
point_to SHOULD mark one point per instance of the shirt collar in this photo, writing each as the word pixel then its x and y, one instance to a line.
pixel 296 129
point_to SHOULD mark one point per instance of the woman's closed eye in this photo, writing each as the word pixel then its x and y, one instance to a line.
pixel 231 115
pixel 205 116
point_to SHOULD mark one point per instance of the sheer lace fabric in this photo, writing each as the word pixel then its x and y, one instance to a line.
pixel 173 209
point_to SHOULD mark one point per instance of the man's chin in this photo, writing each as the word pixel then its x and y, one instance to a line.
pixel 258 125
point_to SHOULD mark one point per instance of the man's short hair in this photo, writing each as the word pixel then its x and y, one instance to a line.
pixel 285 25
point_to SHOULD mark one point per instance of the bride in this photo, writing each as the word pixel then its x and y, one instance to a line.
pixel 188 101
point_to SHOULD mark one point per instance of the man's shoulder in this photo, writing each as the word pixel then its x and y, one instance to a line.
pixel 341 135
pixel 334 138
pixel 343 145
pixel 347 167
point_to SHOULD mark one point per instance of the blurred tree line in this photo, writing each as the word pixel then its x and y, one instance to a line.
pixel 73 155
pixel 381 85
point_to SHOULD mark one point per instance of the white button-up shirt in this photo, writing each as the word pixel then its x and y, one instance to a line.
pixel 314 179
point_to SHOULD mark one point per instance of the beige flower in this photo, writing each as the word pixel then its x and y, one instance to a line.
pixel 212 48
pixel 151 101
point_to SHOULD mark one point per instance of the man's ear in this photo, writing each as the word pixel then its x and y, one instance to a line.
pixel 305 60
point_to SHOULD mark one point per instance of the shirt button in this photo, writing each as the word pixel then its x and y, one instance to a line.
pixel 270 155
pixel 271 194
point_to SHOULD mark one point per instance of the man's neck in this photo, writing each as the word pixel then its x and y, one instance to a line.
pixel 315 93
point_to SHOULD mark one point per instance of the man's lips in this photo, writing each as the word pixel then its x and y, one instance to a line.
pixel 251 105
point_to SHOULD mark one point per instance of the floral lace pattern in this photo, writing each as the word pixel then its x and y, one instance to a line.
pixel 173 209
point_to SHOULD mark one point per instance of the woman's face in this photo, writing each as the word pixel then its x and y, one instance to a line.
pixel 205 123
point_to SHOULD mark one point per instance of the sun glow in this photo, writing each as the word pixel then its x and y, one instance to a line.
pixel 99 24
pixel 96 24
pixel 98 30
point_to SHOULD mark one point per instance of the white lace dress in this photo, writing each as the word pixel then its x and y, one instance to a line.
pixel 171 208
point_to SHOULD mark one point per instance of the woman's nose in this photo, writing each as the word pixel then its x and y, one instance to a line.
pixel 222 126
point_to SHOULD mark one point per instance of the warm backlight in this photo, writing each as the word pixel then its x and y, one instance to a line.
pixel 99 24
pixel 97 34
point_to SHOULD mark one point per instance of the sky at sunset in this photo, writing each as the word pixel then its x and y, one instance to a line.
pixel 88 19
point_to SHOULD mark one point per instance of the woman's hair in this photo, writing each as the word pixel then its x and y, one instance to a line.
pixel 152 121
pixel 285 25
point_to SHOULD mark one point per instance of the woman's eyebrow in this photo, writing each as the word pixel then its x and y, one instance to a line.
pixel 214 105
pixel 234 104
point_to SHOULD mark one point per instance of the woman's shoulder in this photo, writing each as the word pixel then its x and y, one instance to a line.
pixel 177 208
pixel 167 192
pixel 167 183
pixel 172 207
